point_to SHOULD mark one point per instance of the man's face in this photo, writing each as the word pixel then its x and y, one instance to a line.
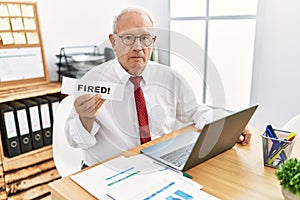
pixel 133 58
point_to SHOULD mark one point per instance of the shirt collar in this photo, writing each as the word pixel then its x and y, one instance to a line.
pixel 124 75
pixel 121 72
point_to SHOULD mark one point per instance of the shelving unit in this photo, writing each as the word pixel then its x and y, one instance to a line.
pixel 75 61
pixel 27 175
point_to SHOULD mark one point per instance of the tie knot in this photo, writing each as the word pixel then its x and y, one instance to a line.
pixel 136 80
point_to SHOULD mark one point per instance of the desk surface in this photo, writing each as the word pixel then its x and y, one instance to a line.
pixel 238 173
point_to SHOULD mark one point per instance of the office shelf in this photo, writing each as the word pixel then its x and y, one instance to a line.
pixel 27 175
pixel 75 61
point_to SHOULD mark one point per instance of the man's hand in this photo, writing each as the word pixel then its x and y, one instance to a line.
pixel 245 137
pixel 87 107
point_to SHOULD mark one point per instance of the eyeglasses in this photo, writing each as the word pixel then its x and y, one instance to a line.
pixel 129 39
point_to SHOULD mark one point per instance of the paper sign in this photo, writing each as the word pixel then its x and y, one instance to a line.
pixel 78 87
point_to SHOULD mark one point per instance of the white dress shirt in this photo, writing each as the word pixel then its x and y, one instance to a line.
pixel 168 98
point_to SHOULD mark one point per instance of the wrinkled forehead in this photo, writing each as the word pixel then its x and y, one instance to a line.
pixel 134 22
pixel 137 31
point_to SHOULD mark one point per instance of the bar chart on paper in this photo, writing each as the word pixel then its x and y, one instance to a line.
pixel 138 177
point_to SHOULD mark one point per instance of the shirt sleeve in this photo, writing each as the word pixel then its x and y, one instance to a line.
pixel 188 110
pixel 77 135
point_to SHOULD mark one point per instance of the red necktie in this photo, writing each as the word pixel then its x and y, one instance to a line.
pixel 141 110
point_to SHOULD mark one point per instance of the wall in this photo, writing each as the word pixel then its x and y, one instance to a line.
pixel 88 22
pixel 275 73
pixel 276 69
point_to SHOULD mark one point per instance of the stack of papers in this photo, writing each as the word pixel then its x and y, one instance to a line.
pixel 138 177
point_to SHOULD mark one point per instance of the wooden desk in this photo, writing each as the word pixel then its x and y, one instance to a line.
pixel 238 173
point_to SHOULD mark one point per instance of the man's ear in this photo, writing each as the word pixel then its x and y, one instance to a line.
pixel 112 40
pixel 154 39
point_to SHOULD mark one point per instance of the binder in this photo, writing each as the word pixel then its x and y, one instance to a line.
pixel 53 104
pixel 34 123
pixel 10 140
pixel 45 122
pixel 22 126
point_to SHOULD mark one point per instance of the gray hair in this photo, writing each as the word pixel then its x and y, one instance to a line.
pixel 137 9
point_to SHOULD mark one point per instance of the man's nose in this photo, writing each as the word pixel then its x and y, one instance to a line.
pixel 137 44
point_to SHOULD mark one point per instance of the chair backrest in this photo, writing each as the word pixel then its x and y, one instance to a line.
pixel 108 54
pixel 66 158
pixel 293 125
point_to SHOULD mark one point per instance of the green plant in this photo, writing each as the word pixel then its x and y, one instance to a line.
pixel 288 174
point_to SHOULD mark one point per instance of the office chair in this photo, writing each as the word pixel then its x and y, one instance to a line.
pixel 293 125
pixel 66 158
pixel 108 54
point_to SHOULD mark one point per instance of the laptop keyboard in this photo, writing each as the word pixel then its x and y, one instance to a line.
pixel 179 156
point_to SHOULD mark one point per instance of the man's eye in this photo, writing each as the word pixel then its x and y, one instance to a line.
pixel 128 37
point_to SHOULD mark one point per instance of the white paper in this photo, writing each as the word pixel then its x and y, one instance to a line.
pixel 32 37
pixel 54 107
pixel 3 10
pixel 14 9
pixel 85 58
pixel 29 24
pixel 78 87
pixel 23 63
pixel 19 38
pixel 4 24
pixel 7 38
pixel 10 124
pixel 35 118
pixel 23 122
pixel 27 10
pixel 17 24
pixel 45 115
pixel 138 177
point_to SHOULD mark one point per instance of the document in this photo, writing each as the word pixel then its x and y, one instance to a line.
pixel 3 10
pixel 32 37
pixel 20 63
pixel 27 10
pixel 29 24
pixel 17 24
pixel 14 9
pixel 4 24
pixel 138 177
pixel 7 38
pixel 19 38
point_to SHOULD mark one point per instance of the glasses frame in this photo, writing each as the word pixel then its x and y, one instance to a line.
pixel 137 36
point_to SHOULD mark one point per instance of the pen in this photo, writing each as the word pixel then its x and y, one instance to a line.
pixel 279 151
pixel 276 144
pixel 110 197
pixel 174 170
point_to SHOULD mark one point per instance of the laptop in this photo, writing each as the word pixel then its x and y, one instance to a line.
pixel 192 148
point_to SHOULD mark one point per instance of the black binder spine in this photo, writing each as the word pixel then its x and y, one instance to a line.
pixel 53 103
pixel 22 126
pixel 10 140
pixel 44 119
pixel 34 123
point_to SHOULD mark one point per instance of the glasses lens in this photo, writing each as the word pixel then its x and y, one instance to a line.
pixel 146 40
pixel 128 39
